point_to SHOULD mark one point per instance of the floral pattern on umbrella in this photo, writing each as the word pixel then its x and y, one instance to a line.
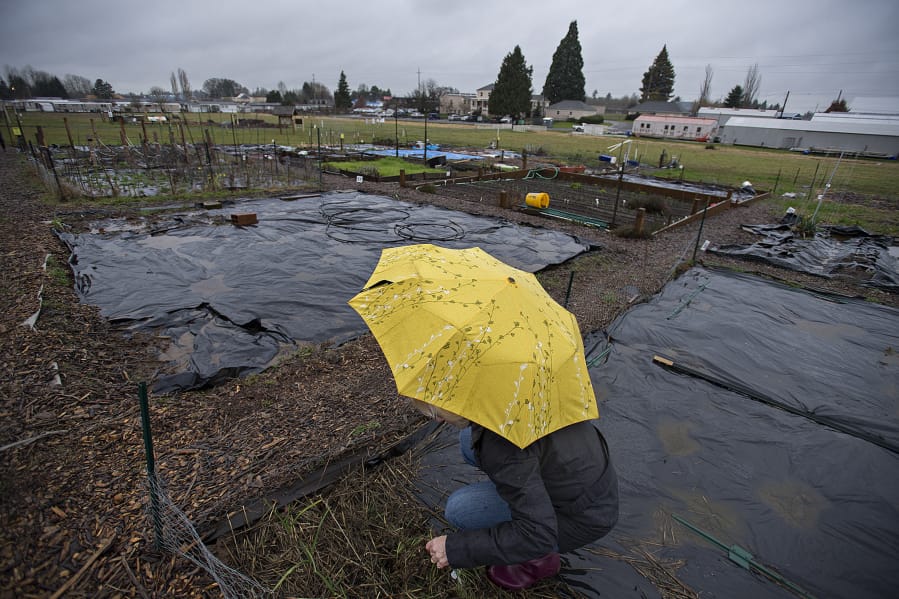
pixel 468 333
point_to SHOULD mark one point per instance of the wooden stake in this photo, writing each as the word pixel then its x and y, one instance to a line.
pixel 638 223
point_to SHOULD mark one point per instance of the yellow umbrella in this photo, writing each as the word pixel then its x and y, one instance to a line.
pixel 470 334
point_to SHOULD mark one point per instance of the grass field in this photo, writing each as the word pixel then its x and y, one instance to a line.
pixel 779 171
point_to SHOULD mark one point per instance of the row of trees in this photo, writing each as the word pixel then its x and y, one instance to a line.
pixel 511 95
pixel 20 84
pixel 513 88
pixel 565 81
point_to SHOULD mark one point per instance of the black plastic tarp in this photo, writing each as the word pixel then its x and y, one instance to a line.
pixel 231 298
pixel 816 505
pixel 831 251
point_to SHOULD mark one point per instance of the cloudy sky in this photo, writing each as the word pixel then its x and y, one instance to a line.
pixel 813 49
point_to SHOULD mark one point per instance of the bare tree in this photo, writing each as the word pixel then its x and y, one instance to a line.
pixel 158 95
pixel 705 89
pixel 174 83
pixel 184 82
pixel 77 86
pixel 751 86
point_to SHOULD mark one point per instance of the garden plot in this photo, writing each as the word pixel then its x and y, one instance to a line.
pixel 232 298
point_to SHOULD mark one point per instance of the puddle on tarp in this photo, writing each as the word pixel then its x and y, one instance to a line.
pixel 232 298
pixel 819 506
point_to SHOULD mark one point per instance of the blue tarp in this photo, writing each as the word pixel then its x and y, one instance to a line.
pixel 419 153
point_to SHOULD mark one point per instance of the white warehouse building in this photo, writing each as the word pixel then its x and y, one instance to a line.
pixel 856 134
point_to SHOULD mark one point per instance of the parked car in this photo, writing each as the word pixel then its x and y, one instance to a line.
pixel 506 119
pixel 454 117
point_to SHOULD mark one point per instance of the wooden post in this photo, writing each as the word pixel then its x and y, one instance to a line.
pixel 65 120
pixel 524 160
pixel 94 140
pixel 40 137
pixel 695 207
pixel 209 158
pixel 638 223
pixel 124 139
pixel 402 177
pixel 184 143
pixel 503 199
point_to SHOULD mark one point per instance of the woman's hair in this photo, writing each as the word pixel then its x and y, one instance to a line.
pixel 435 413
pixel 425 408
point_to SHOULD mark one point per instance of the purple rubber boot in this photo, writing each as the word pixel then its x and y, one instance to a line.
pixel 520 576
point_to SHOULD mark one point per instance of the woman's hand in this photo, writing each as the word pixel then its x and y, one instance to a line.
pixel 437 548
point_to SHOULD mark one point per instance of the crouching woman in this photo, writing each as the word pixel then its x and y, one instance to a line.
pixel 556 495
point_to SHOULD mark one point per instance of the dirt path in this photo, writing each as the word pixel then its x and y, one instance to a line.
pixel 72 470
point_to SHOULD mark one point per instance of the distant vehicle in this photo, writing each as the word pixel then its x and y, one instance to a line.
pixel 470 118
pixel 506 119
pixel 578 128
pixel 454 117
pixel 433 116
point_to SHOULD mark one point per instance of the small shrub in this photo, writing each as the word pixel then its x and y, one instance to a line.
pixel 805 227
pixel 368 171
pixel 427 188
pixel 652 204
pixel 575 186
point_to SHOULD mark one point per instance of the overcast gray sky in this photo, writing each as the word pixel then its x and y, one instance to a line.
pixel 811 48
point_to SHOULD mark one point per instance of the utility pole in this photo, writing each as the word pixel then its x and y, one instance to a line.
pixel 784 107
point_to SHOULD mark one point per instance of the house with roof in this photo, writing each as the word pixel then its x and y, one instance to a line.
pixel 660 107
pixel 481 99
pixel 461 103
pixel 573 110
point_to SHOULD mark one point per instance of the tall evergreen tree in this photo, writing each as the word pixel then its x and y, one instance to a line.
pixel 735 98
pixel 102 89
pixel 565 80
pixel 658 81
pixel 342 101
pixel 512 91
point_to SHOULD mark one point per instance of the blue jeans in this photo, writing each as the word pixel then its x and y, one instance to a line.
pixel 477 505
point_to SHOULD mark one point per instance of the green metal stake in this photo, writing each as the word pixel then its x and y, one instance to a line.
pixel 745 560
pixel 568 291
pixel 151 464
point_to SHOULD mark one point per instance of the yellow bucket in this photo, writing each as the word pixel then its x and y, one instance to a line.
pixel 537 200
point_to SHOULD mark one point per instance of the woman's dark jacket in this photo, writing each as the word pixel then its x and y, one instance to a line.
pixel 562 490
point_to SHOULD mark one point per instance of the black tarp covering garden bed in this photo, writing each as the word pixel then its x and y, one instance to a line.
pixel 231 298
pixel 831 251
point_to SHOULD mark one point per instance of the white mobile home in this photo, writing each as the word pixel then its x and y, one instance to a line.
pixel 674 127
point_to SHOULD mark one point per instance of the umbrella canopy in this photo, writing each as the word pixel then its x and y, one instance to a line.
pixel 470 334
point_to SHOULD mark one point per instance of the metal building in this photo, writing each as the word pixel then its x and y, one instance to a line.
pixel 864 135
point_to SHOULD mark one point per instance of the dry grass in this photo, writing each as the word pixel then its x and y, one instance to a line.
pixel 363 537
